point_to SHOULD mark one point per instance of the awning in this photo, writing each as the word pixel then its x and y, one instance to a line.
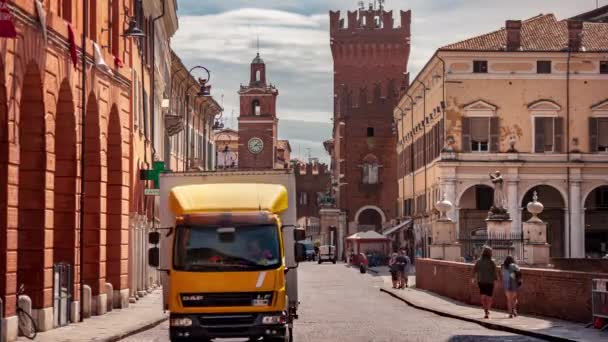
pixel 398 227
pixel 368 235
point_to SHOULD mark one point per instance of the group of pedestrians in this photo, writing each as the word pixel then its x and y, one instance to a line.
pixel 485 275
pixel 399 265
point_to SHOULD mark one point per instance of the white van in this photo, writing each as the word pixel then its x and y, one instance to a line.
pixel 327 253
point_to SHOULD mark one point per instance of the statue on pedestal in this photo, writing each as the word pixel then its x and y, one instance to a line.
pixel 498 211
pixel 326 199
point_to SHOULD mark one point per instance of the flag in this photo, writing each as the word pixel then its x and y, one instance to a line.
pixel 72 42
pixel 7 26
pixel 117 62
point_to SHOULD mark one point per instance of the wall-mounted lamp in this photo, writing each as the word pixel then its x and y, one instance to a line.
pixel 133 31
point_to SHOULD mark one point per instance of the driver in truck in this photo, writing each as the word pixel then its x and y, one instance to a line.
pixel 257 254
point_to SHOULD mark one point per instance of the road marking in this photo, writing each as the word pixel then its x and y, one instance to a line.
pixel 261 278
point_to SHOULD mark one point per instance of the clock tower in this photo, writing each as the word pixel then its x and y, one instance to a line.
pixel 258 120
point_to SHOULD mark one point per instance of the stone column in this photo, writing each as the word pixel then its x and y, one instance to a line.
pixel 536 248
pixel 513 205
pixel 449 189
pixel 445 244
pixel 577 231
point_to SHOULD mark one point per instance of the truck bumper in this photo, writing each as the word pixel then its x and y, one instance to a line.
pixel 206 326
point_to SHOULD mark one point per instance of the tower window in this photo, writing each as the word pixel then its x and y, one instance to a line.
pixel 255 108
pixel 370 132
pixel 257 75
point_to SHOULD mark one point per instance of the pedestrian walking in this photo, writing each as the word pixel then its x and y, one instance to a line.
pixel 393 268
pixel 511 281
pixel 402 265
pixel 485 276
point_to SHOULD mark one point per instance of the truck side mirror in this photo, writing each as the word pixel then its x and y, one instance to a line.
pixel 154 257
pixel 300 252
pixel 154 238
pixel 299 234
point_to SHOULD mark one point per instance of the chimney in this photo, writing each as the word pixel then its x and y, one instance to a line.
pixel 575 34
pixel 513 35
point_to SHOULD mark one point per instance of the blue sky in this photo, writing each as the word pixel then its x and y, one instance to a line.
pixel 294 43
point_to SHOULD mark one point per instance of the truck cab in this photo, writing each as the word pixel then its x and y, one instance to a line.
pixel 229 261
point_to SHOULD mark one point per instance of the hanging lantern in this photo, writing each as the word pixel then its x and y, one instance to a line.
pixel 7 26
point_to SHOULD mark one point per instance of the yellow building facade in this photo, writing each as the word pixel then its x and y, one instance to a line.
pixel 529 100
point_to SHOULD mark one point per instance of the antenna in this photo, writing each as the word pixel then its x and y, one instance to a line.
pixel 258 43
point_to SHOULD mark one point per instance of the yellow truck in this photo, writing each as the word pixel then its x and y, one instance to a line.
pixel 228 254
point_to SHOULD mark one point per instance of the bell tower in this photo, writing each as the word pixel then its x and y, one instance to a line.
pixel 257 120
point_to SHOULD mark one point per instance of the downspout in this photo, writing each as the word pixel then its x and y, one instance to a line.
pixel 424 161
pixel 568 153
pixel 85 25
pixel 412 102
pixel 153 76
pixel 443 97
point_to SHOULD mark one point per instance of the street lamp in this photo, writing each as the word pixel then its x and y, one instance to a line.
pixel 204 91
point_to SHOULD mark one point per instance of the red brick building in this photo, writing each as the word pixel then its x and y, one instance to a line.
pixel 258 120
pixel 311 178
pixel 40 149
pixel 370 66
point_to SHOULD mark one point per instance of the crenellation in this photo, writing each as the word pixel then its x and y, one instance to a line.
pixel 369 20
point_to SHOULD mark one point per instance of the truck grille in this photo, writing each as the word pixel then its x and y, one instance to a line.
pixel 190 300
pixel 227 320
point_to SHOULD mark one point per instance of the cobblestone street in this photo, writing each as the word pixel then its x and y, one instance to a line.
pixel 340 304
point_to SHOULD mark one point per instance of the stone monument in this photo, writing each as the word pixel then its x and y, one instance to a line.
pixel 499 220
pixel 536 248
pixel 329 216
pixel 445 244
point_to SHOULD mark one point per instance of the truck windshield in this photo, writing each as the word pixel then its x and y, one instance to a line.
pixel 205 249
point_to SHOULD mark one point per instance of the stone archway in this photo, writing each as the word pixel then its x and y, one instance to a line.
pixel 473 206
pixel 66 173
pixel 117 206
pixel 32 221
pixel 93 271
pixel 596 222
pixel 370 217
pixel 553 215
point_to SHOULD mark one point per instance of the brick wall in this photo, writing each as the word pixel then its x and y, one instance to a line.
pixel 546 292
pixel 581 265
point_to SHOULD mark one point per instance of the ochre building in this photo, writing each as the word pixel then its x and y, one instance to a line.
pixel 529 100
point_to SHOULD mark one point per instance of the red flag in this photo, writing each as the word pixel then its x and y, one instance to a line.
pixel 7 26
pixel 118 62
pixel 72 41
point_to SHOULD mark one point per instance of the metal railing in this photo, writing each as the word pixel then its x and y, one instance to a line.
pixel 502 244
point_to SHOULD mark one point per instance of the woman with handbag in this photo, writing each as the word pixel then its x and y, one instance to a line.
pixel 511 282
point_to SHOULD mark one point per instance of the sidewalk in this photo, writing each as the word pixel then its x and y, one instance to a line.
pixel 113 326
pixel 539 327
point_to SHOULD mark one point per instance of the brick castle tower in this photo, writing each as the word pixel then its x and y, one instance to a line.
pixel 370 67
pixel 257 120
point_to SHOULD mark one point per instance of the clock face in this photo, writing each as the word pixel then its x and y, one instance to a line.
pixel 255 145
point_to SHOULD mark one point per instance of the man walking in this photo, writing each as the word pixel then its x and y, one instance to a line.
pixel 403 262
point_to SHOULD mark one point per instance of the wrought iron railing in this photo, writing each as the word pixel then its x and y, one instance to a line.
pixel 502 244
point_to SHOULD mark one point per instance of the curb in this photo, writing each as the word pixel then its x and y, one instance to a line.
pixel 135 331
pixel 486 324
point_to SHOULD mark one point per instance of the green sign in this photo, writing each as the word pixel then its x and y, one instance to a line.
pixel 154 174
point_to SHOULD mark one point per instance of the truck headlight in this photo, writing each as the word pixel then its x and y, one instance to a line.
pixel 274 319
pixel 181 322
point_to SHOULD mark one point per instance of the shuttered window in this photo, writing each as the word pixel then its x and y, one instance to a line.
pixel 480 135
pixel 548 134
pixel 598 134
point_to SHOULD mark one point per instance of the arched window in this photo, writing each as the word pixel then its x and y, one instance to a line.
pixel 370 169
pixel 257 75
pixel 255 108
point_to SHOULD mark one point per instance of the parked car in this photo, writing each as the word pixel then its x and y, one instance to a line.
pixel 327 253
